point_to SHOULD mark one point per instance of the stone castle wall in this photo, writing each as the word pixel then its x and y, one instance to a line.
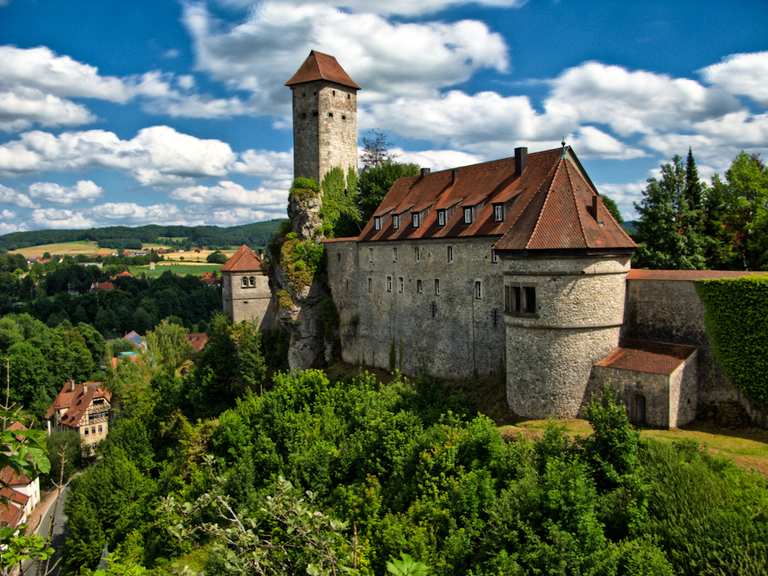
pixel 580 310
pixel 247 303
pixel 452 334
pixel 671 311
pixel 324 129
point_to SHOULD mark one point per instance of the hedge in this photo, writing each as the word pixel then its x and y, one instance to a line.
pixel 736 321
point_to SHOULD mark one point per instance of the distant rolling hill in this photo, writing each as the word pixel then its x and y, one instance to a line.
pixel 257 234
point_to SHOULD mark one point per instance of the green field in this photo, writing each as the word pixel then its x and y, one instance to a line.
pixel 748 448
pixel 180 269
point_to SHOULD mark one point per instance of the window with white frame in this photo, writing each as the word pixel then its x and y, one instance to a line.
pixel 252 281
pixel 395 221
pixel 494 256
pixel 377 222
pixel 498 212
pixel 468 214
pixel 441 218
pixel 244 282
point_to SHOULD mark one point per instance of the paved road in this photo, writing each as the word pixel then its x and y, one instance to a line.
pixel 59 525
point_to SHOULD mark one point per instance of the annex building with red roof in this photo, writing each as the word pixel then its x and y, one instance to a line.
pixel 84 408
pixel 245 287
pixel 19 494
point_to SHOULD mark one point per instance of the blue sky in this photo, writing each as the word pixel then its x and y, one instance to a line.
pixel 116 112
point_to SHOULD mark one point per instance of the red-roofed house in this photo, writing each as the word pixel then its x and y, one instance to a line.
pixel 84 408
pixel 198 340
pixel 245 287
pixel 19 494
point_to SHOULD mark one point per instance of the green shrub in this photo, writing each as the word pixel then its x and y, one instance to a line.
pixel 735 319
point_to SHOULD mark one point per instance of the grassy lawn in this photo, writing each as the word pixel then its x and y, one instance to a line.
pixel 64 249
pixel 747 447
pixel 194 256
pixel 190 269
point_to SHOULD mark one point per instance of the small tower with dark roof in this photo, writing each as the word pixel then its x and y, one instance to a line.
pixel 324 117
pixel 245 287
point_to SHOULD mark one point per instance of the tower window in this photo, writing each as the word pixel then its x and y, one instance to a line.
pixel 334 92
pixel 338 257
pixel 370 255
pixel 419 287
pixel 303 94
pixel 498 212
pixel 434 309
pixel 437 286
pixel 395 221
pixel 450 254
pixel 348 96
pixel 370 285
pixel 314 113
pixel 494 256
pixel 478 290
pixel 417 253
pixel 330 114
pixel 377 222
pixel 303 115
pixel 389 283
pixel 244 282
pixel 343 116
pixel 441 217
pixel 400 284
pixel 252 281
pixel 468 215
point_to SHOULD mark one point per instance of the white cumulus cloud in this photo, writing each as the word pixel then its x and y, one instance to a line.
pixel 231 194
pixel 60 218
pixel 743 74
pixel 83 190
pixel 11 196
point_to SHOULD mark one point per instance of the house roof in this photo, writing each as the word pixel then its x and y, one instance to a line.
pixel 646 356
pixel 319 66
pixel 244 260
pixel 197 340
pixel 10 514
pixel 688 275
pixel 76 399
pixel 10 477
pixel 9 494
pixel 547 207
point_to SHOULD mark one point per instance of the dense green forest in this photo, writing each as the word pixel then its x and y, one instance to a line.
pixel 58 292
pixel 226 467
pixel 257 234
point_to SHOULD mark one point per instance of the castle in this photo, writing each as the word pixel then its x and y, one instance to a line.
pixel 512 269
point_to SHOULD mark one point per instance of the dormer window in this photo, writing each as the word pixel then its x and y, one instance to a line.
pixel 498 212
pixel 377 222
pixel 415 219
pixel 468 214
pixel 395 221
pixel 441 217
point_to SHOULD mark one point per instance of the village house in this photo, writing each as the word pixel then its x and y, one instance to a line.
pixel 84 408
pixel 245 287
pixel 20 494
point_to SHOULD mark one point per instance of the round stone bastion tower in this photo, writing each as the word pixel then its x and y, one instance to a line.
pixel 565 263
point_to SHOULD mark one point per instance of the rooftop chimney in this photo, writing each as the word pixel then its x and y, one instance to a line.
pixel 521 158
pixel 425 171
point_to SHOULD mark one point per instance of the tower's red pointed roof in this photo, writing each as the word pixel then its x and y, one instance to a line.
pixel 244 260
pixel 319 66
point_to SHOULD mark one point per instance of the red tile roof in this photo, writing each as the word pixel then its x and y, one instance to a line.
pixel 649 357
pixel 244 260
pixel 10 515
pixel 197 340
pixel 10 477
pixel 547 207
pixel 688 275
pixel 319 66
pixel 9 494
pixel 76 399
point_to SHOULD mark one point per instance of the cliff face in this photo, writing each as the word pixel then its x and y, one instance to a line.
pixel 299 282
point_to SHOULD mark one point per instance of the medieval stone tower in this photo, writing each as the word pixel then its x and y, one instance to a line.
pixel 324 117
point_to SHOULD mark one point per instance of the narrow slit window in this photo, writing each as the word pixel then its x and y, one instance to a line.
pixel 450 254
pixel 370 254
pixel 401 285
pixel 494 256
pixel 389 283
pixel 394 254
pixel 419 287
pixel 370 285
pixel 417 253
pixel 478 290
pixel 437 286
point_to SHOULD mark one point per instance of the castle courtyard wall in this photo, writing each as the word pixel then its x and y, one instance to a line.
pixel 452 334
pixel 671 311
